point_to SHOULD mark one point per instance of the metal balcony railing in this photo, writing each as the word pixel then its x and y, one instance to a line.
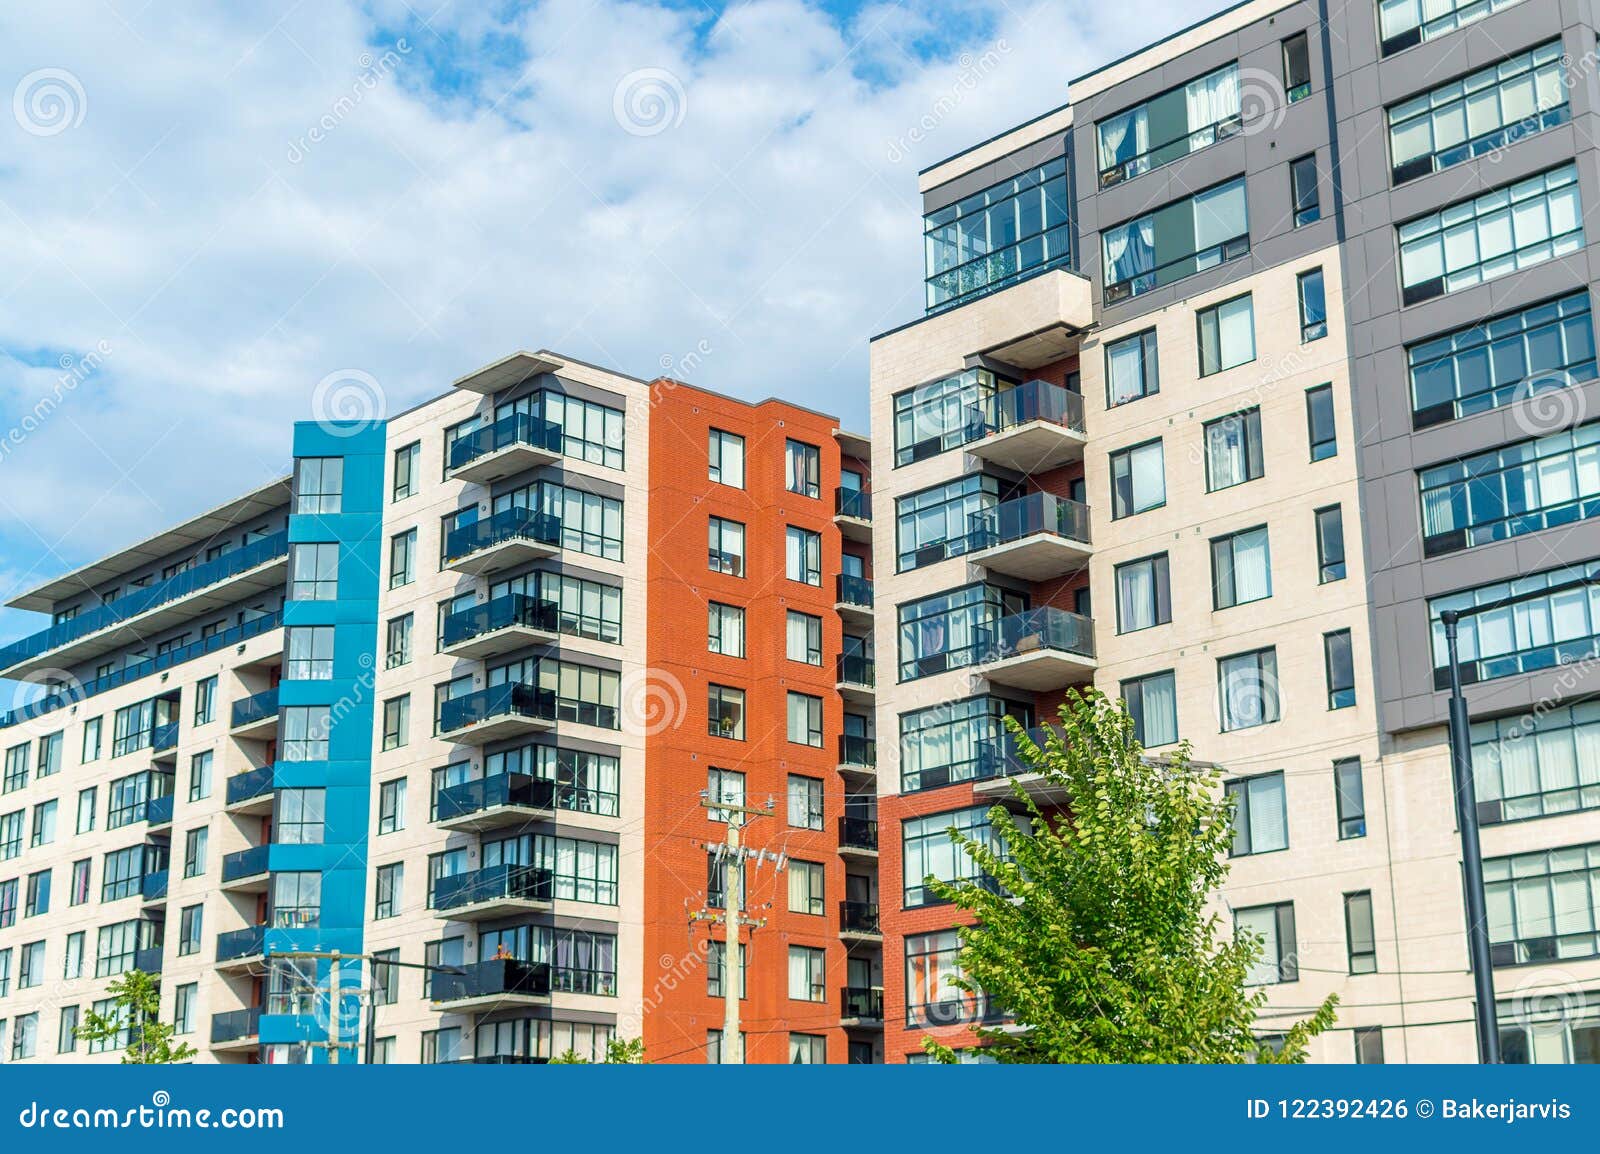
pixel 512 699
pixel 505 789
pixel 855 669
pixel 493 883
pixel 861 1002
pixel 855 503
pixel 855 750
pixel 855 590
pixel 859 917
pixel 501 613
pixel 1045 628
pixel 517 429
pixel 858 832
pixel 506 525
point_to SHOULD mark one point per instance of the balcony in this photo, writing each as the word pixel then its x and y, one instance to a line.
pixel 164 741
pixel 245 872
pixel 505 800
pixel 1039 537
pixel 236 1029
pixel 861 1006
pixel 497 984
pixel 494 892
pixel 511 445
pixel 855 677
pixel 244 949
pixel 503 711
pixel 858 836
pixel 852 512
pixel 1036 321
pixel 148 961
pixel 1002 765
pixel 250 792
pixel 859 920
pixel 158 810
pixel 501 626
pixel 1033 427
pixel 1040 650
pixel 153 887
pixel 234 576
pixel 854 599
pixel 256 717
pixel 511 537
pixel 857 754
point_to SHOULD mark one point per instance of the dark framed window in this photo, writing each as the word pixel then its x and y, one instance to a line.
pixel 1350 798
pixel 1320 425
pixel 1233 449
pixel 1369 1045
pixel 1138 479
pixel 1313 300
pixel 1241 568
pixel 1144 593
pixel 1260 814
pixel 1279 958
pixel 1132 368
pixel 1297 67
pixel 1359 933
pixel 725 712
pixel 802 468
pixel 1303 190
pixel 1341 669
pixel 1152 702
pixel 1227 334
pixel 1330 544
pixel 1247 689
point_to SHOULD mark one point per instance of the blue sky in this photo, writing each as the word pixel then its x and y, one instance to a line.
pixel 207 209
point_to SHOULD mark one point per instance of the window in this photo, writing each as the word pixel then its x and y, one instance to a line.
pixel 1494 234
pixel 1153 704
pixel 1247 689
pixel 314 572
pixel 397 722
pixel 191 923
pixel 301 816
pixel 1233 450
pixel 1296 68
pixel 385 977
pixel 38 895
pixel 725 786
pixel 67 1034
pixel 805 719
pixel 8 904
pixel 955 741
pixel 120 878
pixel 25 1040
pixel 805 802
pixel 310 653
pixel 1303 190
pixel 1186 118
pixel 318 484
pixel 1405 23
pixel 386 890
pixel 1493 362
pixel 1478 114
pixel 116 947
pixel 1369 1045
pixel 392 806
pixel 726 546
pixel 725 629
pixel 1313 306
pixel 72 962
pixel 49 755
pixel 30 965
pixel 1359 933
pixel 10 835
pixel 808 1049
pixel 184 999
pixel 1350 798
pixel 402 558
pixel 932 968
pixel 808 978
pixel 441 1046
pixel 931 851
pixel 716 955
pixel 407 470
pixel 304 734
pixel 1274 925
pixel 725 712
pixel 997 236
pixel 397 643
pixel 1320 423
pixel 805 888
pixel 1341 669
pixel 1540 908
pixel 44 824
pixel 727 458
pixel 194 852
pixel 802 468
pixel 1227 335
pixel 717 881
pixel 1131 368
pixel 803 637
pixel 91 739
pixel 1138 479
pixel 17 768
pixel 1241 568
pixel 1260 814
pixel 802 555
pixel 296 899
pixel 1533 769
pixel 86 808
pixel 1144 594
pixel 942 414
pixel 1330 544
pixel 200 775
pixel 81 890
pixel 1178 240
pixel 109 1009
pixel 935 523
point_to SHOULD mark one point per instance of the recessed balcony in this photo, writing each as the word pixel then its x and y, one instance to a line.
pixel 511 537
pixel 853 601
pixel 855 676
pixel 510 446
pixel 499 802
pixel 1033 427
pixel 149 960
pixel 1002 766
pixel 858 837
pixel 852 512
pixel 501 891
pixel 857 754
pixel 1040 650
pixel 250 792
pixel 235 576
pixel 1035 538
pixel 153 888
pixel 501 626
pixel 236 1030
pixel 246 871
pixel 500 983
pixel 242 950
pixel 861 1006
pixel 497 713
pixel 859 921
pixel 255 717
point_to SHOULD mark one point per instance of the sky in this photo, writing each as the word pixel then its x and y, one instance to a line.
pixel 207 210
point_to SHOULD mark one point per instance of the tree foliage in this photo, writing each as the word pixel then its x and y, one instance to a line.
pixel 136 1010
pixel 1102 943
pixel 619 1052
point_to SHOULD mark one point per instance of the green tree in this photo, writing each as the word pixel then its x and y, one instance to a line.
pixel 619 1052
pixel 136 1010
pixel 1102 944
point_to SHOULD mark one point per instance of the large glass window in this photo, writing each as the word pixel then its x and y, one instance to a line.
pixel 589 431
pixel 802 555
pixel 1532 221
pixel 310 653
pixel 802 468
pixel 1279 958
pixel 1535 765
pixel 1183 119
pixel 937 523
pixel 959 741
pixel 305 732
pixel 947 631
pixel 1544 906
pixel 941 415
pixel 727 458
pixel 1404 23
pixel 1132 370
pixel 1144 593
pixel 1247 689
pixel 1138 479
pixel 1227 334
pixel 1260 814
pixel 583 608
pixel 1233 450
pixel 1178 240
pixel 318 484
pixel 997 236
pixel 930 850
pixel 932 969
pixel 1152 702
pixel 1241 568
pixel 314 572
pixel 1536 634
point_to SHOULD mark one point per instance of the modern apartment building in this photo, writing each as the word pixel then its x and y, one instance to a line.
pixel 406 757
pixel 1235 371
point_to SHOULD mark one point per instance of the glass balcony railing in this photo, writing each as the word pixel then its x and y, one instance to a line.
pixel 224 640
pixel 855 590
pixel 861 1002
pixel 158 811
pixel 256 707
pixel 148 961
pixel 164 737
pixel 505 789
pixel 140 601
pixel 999 757
pixel 853 503
pixel 855 669
pixel 858 832
pixel 855 750
pixel 1034 630
pixel 251 784
pixel 859 917
pixel 153 886
pixel 250 942
pixel 501 613
pixel 1032 401
pixel 493 883
pixel 1027 516
pixel 507 525
pixel 235 1025
pixel 513 699
pixel 245 863
pixel 488 979
pixel 517 429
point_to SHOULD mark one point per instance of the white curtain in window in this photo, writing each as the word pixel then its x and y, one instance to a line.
pixel 1130 250
pixel 1225 453
pixel 1252 577
pixel 1124 137
pixel 1149 477
pixel 1558 766
pixel 1519 768
pixel 1160 710
pixel 1125 363
pixel 1587 739
pixel 1136 596
pixel 1211 99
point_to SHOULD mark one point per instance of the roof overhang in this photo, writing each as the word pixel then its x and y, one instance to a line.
pixel 508 372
